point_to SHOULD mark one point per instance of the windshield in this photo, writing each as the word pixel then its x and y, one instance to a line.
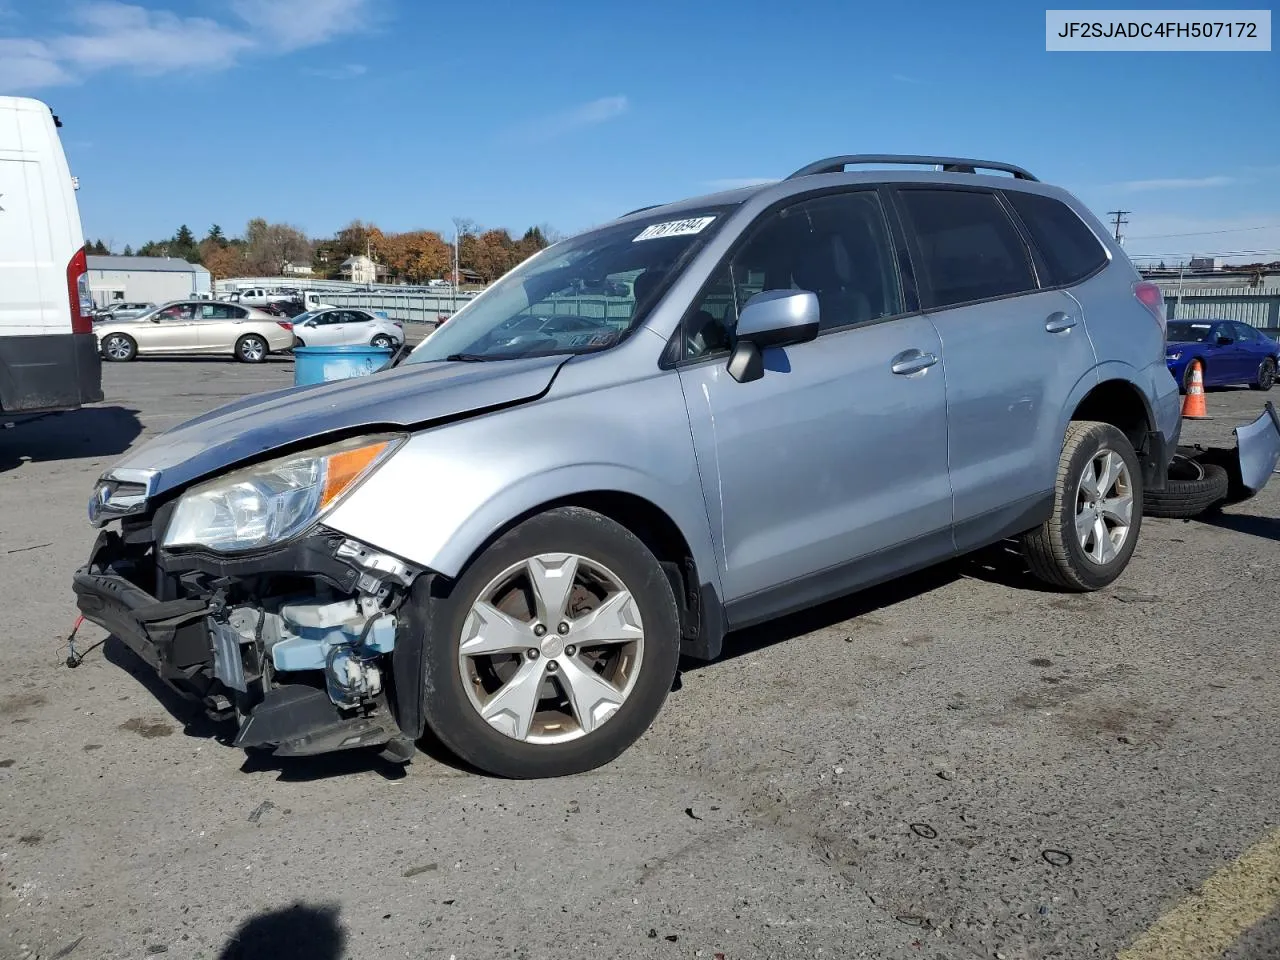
pixel 1189 332
pixel 581 295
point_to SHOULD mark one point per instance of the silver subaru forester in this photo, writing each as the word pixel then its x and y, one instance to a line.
pixel 695 418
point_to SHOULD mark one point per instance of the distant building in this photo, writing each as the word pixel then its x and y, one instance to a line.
pixel 361 269
pixel 1203 264
pixel 145 279
pixel 297 270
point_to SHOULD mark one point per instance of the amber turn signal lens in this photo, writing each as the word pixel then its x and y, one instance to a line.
pixel 345 468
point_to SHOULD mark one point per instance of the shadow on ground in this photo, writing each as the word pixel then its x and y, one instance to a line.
pixel 74 435
pixel 1268 528
pixel 1001 564
pixel 194 722
pixel 298 932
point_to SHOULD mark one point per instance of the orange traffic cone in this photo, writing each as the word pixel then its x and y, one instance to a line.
pixel 1193 407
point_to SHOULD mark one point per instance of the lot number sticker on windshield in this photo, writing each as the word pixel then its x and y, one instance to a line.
pixel 674 228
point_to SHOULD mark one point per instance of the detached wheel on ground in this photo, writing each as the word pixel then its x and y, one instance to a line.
pixel 554 651
pixel 382 341
pixel 119 347
pixel 1266 375
pixel 251 348
pixel 1192 488
pixel 1097 511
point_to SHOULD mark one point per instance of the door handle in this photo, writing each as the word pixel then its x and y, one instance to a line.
pixel 912 361
pixel 1059 322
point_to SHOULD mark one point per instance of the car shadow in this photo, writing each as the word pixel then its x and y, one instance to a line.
pixel 1000 564
pixel 1268 528
pixel 298 932
pixel 275 358
pixel 190 715
pixel 76 434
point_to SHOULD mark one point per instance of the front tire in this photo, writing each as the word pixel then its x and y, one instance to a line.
pixel 557 648
pixel 120 348
pixel 1266 375
pixel 251 348
pixel 1097 511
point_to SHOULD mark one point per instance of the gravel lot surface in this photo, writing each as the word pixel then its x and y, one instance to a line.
pixel 960 764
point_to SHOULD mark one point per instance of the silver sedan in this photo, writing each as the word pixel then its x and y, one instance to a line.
pixel 199 327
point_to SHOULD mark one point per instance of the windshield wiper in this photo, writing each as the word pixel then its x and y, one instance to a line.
pixel 471 357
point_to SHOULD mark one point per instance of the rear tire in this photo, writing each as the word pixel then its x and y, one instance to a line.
pixel 541 734
pixel 1266 375
pixel 382 341
pixel 251 348
pixel 1097 511
pixel 1191 489
pixel 120 348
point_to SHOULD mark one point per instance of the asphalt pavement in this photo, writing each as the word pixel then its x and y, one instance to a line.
pixel 958 764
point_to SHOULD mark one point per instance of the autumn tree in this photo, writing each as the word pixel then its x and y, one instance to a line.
pixel 223 261
pixel 269 247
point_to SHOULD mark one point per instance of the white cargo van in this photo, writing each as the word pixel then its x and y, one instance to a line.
pixel 48 352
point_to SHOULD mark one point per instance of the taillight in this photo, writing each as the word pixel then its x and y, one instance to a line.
pixel 1149 296
pixel 287 324
pixel 78 292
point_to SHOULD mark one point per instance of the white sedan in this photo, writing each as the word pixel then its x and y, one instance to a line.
pixel 337 327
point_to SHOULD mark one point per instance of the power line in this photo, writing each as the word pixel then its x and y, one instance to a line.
pixel 1203 233
pixel 1119 220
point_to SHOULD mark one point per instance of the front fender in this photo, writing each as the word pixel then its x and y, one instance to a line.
pixel 447 491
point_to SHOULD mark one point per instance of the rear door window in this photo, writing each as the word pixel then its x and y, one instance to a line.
pixel 1069 249
pixel 967 247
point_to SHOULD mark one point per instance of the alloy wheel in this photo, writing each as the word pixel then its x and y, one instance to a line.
pixel 551 648
pixel 1104 506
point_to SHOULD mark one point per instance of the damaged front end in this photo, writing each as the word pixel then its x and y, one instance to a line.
pixel 292 638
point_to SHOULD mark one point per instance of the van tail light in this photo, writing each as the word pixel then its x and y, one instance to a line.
pixel 1149 296
pixel 287 324
pixel 78 292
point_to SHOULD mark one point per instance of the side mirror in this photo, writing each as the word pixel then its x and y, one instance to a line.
pixel 156 318
pixel 1225 341
pixel 772 318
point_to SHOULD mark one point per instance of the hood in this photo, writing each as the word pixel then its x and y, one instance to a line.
pixel 412 395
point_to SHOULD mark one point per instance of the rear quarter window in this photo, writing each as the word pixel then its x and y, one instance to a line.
pixel 1069 249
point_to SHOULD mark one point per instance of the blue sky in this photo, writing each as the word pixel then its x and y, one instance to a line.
pixel 409 113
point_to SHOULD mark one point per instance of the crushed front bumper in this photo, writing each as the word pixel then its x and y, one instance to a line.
pixel 286 680
pixel 1252 462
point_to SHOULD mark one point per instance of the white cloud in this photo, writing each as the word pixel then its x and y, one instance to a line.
pixel 107 34
pixel 566 121
pixel 1176 183
pixel 734 183
pixel 29 64
pixel 147 41
pixel 346 71
pixel 293 24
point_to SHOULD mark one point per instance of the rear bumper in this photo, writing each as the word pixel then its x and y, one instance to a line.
pixel 49 372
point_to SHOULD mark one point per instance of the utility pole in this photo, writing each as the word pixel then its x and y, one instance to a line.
pixel 1119 220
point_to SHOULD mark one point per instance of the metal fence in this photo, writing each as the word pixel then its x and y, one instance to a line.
pixel 409 307
pixel 1257 306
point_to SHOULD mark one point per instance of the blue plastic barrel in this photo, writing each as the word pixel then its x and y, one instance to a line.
pixel 321 364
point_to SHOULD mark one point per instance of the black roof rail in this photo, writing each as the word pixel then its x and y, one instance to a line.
pixel 640 210
pixel 948 164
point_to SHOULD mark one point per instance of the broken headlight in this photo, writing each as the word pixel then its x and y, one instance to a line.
pixel 276 500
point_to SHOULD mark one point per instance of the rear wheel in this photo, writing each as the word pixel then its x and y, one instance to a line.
pixel 1097 511
pixel 382 341
pixel 119 347
pixel 1266 375
pixel 251 348
pixel 556 650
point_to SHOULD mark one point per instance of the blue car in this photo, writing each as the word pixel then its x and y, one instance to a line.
pixel 1230 353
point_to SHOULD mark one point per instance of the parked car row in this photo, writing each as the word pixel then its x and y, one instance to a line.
pixel 250 334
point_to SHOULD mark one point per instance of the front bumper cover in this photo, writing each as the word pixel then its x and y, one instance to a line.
pixel 185 641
